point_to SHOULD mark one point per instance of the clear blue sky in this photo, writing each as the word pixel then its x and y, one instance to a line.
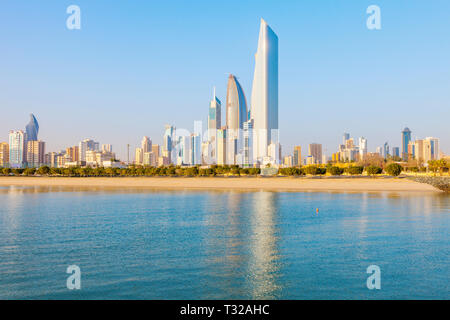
pixel 137 65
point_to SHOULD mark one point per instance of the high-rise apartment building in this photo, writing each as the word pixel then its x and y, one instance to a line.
pixel 156 154
pixel 87 145
pixel 288 161
pixel 184 150
pixel 362 147
pixel 418 151
pixel 74 153
pixel 139 156
pixel 221 146
pixel 196 149
pixel 264 100
pixel 35 153
pixel 146 144
pixel 107 148
pixel 17 148
pixel 4 154
pixel 297 161
pixel 247 153
pixel 315 150
pixel 433 147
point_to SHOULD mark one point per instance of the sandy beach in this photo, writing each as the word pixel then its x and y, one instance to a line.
pixel 243 183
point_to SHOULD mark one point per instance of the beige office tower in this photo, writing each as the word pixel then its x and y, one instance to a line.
pixel 156 154
pixel 139 156
pixel 74 153
pixel 297 161
pixel 221 146
pixel 4 154
pixel 418 150
pixel 35 153
pixel 148 159
pixel 315 150
pixel 288 161
pixel 163 161
pixel 107 148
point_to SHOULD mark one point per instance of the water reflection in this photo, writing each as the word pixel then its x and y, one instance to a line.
pixel 242 245
pixel 264 267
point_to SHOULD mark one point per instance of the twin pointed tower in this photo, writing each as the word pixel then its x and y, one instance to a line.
pixel 251 135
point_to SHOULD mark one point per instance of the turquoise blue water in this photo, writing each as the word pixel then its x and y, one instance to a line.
pixel 222 245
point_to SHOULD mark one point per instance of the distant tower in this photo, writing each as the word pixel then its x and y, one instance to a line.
pixel 385 150
pixel 362 147
pixel 406 138
pixel 32 129
pixel 345 137
pixel 146 144
pixel 214 115
pixel 297 161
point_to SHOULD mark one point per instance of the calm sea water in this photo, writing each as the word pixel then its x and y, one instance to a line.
pixel 222 245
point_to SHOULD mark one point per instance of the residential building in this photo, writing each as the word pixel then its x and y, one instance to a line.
pixel 4 154
pixel 17 148
pixel 297 161
pixel 315 151
pixel 221 146
pixel 35 153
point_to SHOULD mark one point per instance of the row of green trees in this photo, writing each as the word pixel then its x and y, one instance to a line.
pixel 440 166
pixel 134 171
pixel 392 169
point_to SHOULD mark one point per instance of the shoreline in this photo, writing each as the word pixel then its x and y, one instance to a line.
pixel 302 184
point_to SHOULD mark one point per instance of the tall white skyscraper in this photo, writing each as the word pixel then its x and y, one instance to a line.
pixel 196 149
pixel 184 149
pixel 362 147
pixel 17 148
pixel 264 101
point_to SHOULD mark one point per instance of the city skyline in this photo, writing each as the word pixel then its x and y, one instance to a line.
pixel 300 99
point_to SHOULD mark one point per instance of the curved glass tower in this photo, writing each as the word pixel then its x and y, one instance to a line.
pixel 32 129
pixel 264 103
pixel 236 105
pixel 237 115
